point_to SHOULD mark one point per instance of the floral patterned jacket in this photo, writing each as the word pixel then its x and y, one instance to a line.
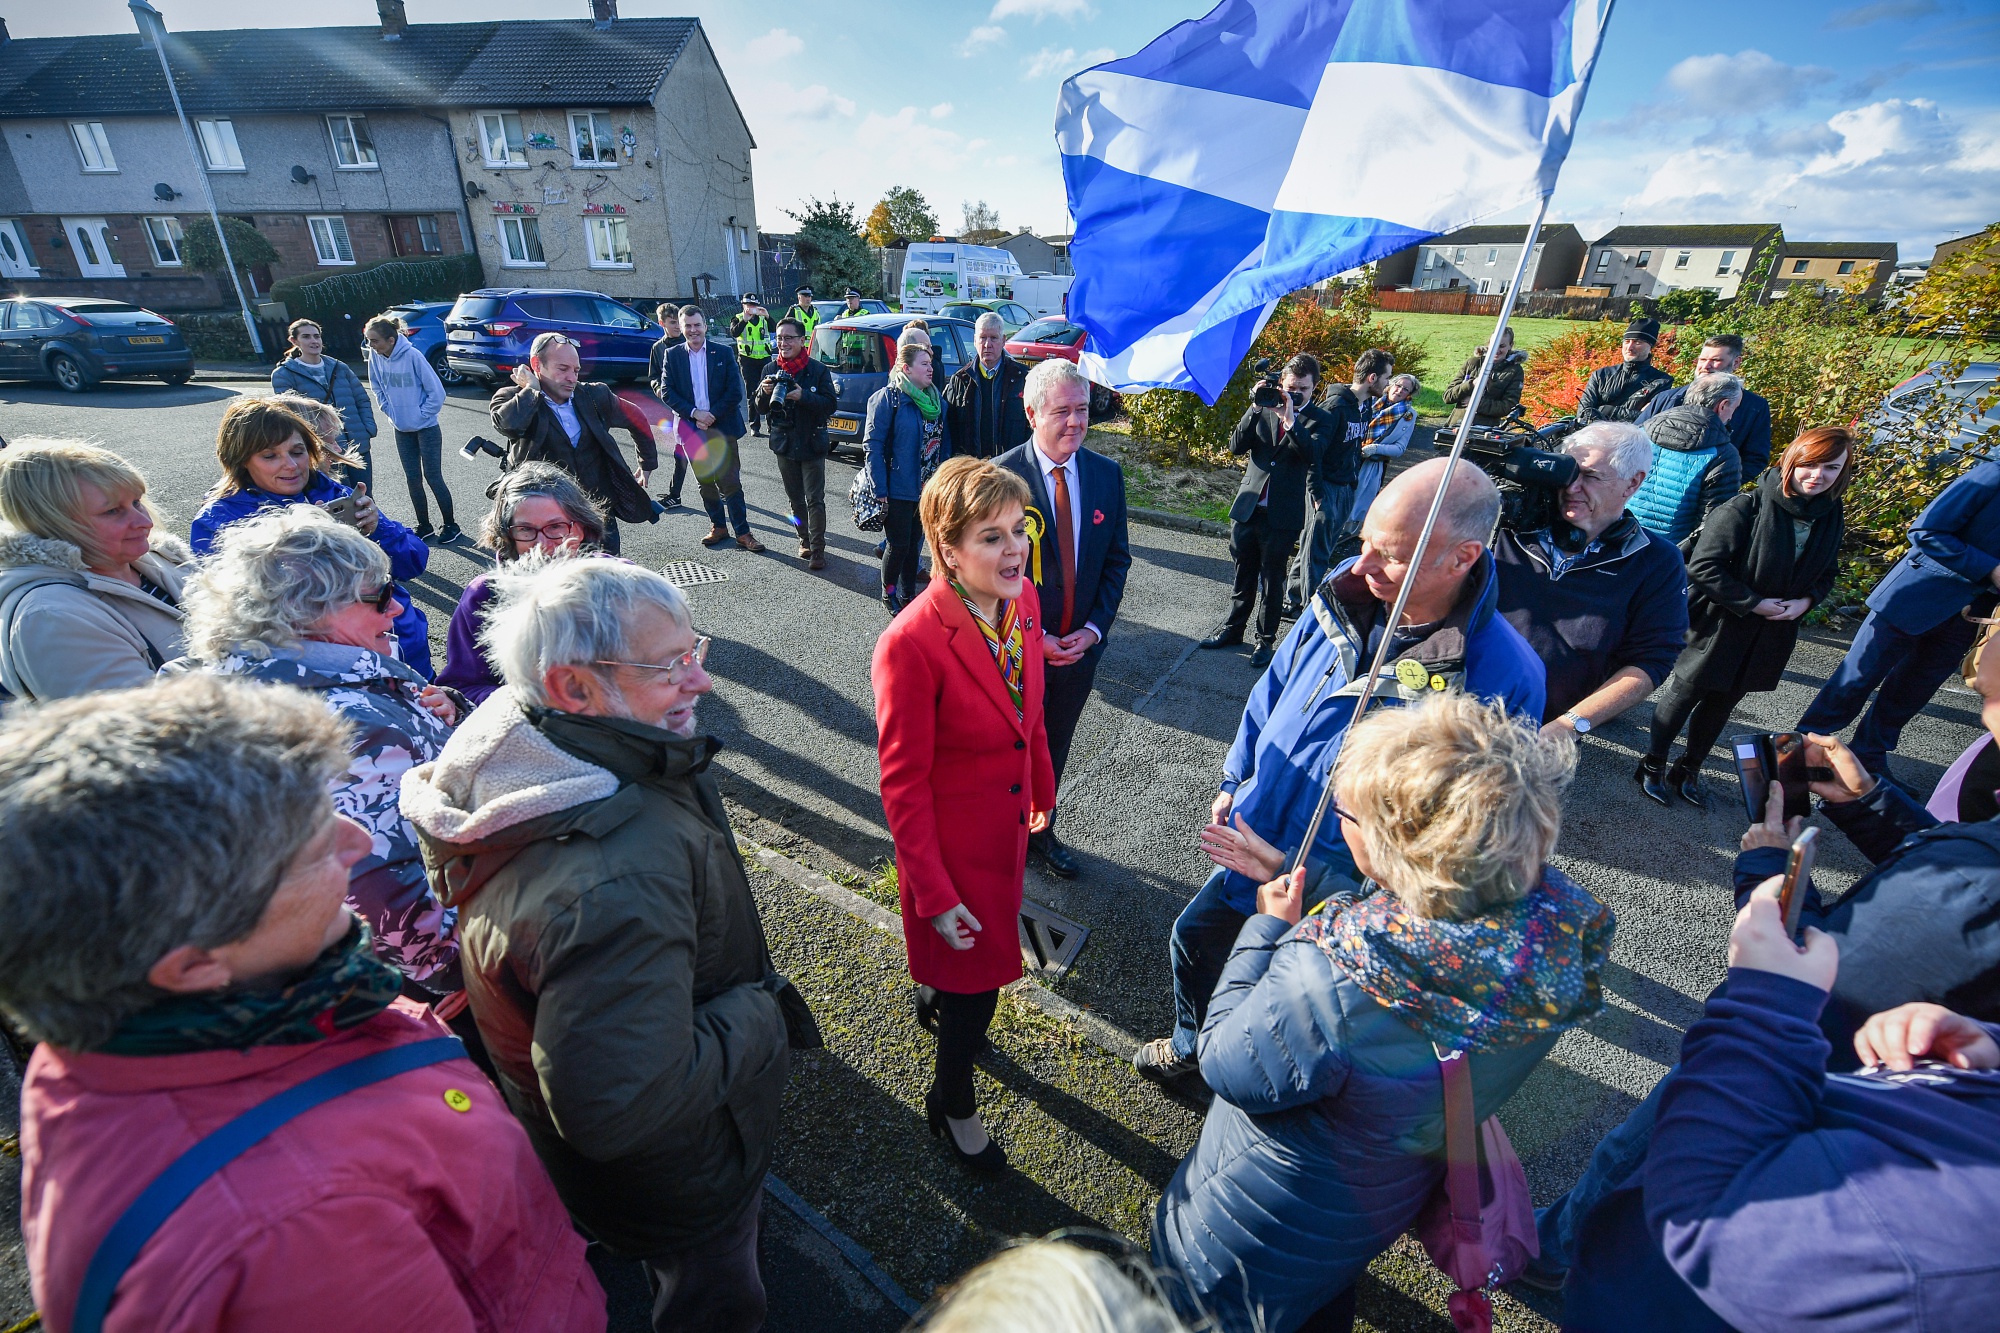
pixel 377 696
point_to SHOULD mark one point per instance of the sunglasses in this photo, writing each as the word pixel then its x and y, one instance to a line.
pixel 1341 810
pixel 677 668
pixel 380 600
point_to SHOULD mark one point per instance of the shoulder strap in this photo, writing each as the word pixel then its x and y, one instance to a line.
pixel 1461 1140
pixel 186 1173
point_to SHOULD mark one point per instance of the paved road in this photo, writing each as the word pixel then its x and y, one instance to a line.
pixel 794 707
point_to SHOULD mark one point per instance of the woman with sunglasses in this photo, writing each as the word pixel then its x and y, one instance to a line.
pixel 536 507
pixel 295 597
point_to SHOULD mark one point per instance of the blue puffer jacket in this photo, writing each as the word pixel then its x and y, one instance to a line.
pixel 1695 468
pixel 894 435
pixel 343 391
pixel 406 551
pixel 1327 1131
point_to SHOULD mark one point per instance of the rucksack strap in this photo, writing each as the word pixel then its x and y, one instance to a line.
pixel 186 1173
pixel 1461 1139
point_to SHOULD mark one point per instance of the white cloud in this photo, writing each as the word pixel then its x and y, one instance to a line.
pixel 1065 62
pixel 1038 10
pixel 774 45
pixel 815 102
pixel 920 146
pixel 1725 85
pixel 940 111
pixel 980 38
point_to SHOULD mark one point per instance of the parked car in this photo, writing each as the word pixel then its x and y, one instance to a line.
pixel 859 352
pixel 79 340
pixel 838 309
pixel 1013 315
pixel 1052 337
pixel 423 325
pixel 1973 386
pixel 489 332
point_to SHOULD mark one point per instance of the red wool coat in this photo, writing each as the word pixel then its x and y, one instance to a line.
pixel 959 775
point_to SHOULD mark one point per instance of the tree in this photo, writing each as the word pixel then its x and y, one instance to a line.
pixel 909 215
pixel 247 246
pixel 832 249
pixel 880 230
pixel 1687 305
pixel 982 223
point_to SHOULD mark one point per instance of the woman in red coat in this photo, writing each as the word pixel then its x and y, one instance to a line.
pixel 965 772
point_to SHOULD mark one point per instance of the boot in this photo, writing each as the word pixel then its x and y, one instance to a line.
pixel 1652 776
pixel 1686 779
pixel 717 534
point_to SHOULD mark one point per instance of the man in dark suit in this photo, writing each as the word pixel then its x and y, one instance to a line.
pixel 1914 635
pixel 548 417
pixel 1336 471
pixel 1749 425
pixel 701 382
pixel 1083 556
pixel 983 399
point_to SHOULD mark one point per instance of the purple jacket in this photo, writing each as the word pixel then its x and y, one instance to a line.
pixel 465 666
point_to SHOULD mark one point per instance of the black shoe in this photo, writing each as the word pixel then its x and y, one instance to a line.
pixel 892 603
pixel 1223 638
pixel 1687 781
pixel 672 499
pixel 450 533
pixel 991 1158
pixel 1157 1061
pixel 1266 650
pixel 1652 776
pixel 1055 857
pixel 425 532
pixel 1292 611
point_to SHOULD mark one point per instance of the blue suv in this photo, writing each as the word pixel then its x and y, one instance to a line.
pixel 488 332
pixel 423 324
pixel 859 352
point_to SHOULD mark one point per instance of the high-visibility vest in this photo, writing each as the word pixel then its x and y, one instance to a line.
pixel 808 317
pixel 755 339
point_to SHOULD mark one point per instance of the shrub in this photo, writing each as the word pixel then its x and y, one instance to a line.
pixel 1560 367
pixel 215 335
pixel 1687 305
pixel 1191 428
pixel 372 288
pixel 247 246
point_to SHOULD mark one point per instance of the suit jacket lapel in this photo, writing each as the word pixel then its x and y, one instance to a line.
pixel 1046 507
pixel 970 647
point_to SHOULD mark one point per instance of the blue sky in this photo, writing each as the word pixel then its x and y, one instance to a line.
pixel 1871 121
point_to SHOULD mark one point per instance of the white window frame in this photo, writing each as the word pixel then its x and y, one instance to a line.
pixel 1724 264
pixel 93 147
pixel 24 266
pixel 1485 286
pixel 1492 256
pixel 344 120
pixel 1458 255
pixel 596 226
pixel 218 140
pixel 507 162
pixel 1681 259
pixel 1645 259
pixel 337 236
pixel 170 229
pixel 611 135
pixel 507 259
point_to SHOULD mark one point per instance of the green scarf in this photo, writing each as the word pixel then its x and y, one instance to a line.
pixel 925 399
pixel 344 988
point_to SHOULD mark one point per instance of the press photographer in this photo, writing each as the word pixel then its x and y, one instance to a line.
pixel 1602 601
pixel 796 396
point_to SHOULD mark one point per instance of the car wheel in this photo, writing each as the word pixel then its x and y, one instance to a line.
pixel 446 375
pixel 1101 399
pixel 68 373
pixel 177 377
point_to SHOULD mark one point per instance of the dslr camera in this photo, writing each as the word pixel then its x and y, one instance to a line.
pixel 1522 462
pixel 781 408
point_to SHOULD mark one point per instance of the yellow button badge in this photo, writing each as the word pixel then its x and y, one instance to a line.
pixel 457 1100
pixel 1411 675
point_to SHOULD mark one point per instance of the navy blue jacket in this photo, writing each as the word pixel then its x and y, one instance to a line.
pixel 1623 605
pixel 894 435
pixel 725 386
pixel 407 553
pixel 1954 547
pixel 1105 554
pixel 1749 425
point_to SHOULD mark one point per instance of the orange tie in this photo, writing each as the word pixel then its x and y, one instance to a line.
pixel 1066 546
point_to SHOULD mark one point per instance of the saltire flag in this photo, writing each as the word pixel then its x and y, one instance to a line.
pixel 1272 143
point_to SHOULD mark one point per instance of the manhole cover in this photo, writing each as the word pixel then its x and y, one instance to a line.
pixel 687 573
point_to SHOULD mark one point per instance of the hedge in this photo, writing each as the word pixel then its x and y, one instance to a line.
pixel 372 288
pixel 216 335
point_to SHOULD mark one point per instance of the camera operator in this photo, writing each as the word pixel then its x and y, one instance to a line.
pixel 1621 392
pixel 1283 433
pixel 1601 600
pixel 1336 470
pixel 797 395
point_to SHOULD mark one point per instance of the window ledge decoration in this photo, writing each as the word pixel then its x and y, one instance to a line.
pixel 542 139
pixel 512 209
pixel 605 210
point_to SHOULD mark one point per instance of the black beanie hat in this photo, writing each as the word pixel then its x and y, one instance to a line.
pixel 1649 329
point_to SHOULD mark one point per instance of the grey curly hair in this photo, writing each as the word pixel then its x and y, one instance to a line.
pixel 272 575
pixel 529 480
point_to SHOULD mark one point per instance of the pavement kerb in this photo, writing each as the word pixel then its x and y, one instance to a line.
pixel 1163 518
pixel 864 1262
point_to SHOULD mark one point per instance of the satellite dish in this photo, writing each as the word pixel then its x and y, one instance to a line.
pixel 473 189
pixel 301 176
pixel 165 192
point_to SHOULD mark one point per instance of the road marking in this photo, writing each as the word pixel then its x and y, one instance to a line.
pixel 863 1261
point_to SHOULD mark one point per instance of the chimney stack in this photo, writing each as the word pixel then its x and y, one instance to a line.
pixel 5 36
pixel 393 19
pixel 602 12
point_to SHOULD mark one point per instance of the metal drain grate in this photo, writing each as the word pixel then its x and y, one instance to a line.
pixel 688 573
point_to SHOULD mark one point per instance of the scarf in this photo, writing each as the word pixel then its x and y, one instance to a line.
pixel 1777 562
pixel 795 368
pixel 344 988
pixel 1004 642
pixel 925 399
pixel 1521 971
pixel 1385 420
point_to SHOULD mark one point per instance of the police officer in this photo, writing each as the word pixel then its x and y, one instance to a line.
pixel 805 312
pixel 752 331
pixel 853 304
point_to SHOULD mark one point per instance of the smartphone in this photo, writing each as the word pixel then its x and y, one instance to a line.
pixel 342 509
pixel 1798 869
pixel 1766 757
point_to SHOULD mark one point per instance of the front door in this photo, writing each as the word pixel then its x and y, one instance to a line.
pixel 415 235
pixel 91 238
pixel 15 260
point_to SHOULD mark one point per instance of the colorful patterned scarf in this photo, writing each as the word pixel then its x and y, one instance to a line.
pixel 1526 970
pixel 1385 421
pixel 1005 643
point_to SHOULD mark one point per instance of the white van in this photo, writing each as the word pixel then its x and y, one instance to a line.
pixel 935 274
pixel 1043 293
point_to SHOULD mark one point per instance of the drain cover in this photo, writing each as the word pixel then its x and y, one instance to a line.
pixel 1050 941
pixel 687 573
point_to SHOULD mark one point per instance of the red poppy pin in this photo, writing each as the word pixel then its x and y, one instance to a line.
pixel 1096 517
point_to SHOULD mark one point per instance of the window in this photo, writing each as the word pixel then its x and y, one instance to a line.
pixel 743 239
pixel 1433 258
pixel 415 235
pixel 1485 286
pixel 330 240
pixel 165 236
pixel 94 147
pixel 1798 266
pixel 1492 257
pixel 1846 267
pixel 1632 289
pixel 218 145
pixel 1503 286
pixel 1681 259
pixel 613 315
pixel 353 149
pixel 591 138
pixel 1458 255
pixel 1722 266
pixel 521 243
pixel 1603 260
pixel 1645 258
pixel 609 247
pixel 501 137
pixel 16 260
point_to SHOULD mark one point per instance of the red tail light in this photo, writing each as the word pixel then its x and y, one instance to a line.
pixel 501 330
pixel 79 319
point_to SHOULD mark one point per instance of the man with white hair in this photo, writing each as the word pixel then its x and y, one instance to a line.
pixel 1081 557
pixel 1602 601
pixel 983 398
pixel 1695 463
pixel 612 951
pixel 1450 637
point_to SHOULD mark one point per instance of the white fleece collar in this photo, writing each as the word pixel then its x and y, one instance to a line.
pixel 495 772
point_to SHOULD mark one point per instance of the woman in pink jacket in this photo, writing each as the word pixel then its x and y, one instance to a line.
pixel 172 930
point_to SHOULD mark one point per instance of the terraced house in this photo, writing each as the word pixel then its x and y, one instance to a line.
pixel 595 152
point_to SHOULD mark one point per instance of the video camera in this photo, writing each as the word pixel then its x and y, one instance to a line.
pixel 1266 392
pixel 1522 462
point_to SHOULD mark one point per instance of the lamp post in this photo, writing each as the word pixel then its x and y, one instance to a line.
pixel 153 27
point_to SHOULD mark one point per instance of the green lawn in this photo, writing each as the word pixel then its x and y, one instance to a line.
pixel 1452 338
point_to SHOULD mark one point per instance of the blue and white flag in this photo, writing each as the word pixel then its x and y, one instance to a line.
pixel 1252 152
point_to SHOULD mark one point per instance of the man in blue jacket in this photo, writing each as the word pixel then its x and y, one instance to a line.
pixel 1914 634
pixel 1451 637
pixel 1749 425
pixel 704 385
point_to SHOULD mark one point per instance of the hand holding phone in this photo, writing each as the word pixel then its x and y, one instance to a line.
pixel 1798 870
pixel 342 509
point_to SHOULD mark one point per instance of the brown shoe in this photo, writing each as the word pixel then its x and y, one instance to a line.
pixel 818 561
pixel 716 536
pixel 805 552
pixel 749 543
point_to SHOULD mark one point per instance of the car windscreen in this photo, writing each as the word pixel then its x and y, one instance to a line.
pixel 972 312
pixel 111 312
pixel 1057 331
pixel 476 308
pixel 850 351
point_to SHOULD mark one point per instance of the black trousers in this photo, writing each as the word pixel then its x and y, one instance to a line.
pixel 753 372
pixel 715 1286
pixel 1262 558
pixel 962 1024
pixel 899 556
pixel 1705 713
pixel 805 487
pixel 1066 689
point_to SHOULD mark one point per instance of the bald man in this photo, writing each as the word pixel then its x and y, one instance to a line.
pixel 1450 637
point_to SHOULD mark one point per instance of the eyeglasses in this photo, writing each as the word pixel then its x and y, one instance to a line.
pixel 560 530
pixel 677 669
pixel 1341 810
pixel 380 599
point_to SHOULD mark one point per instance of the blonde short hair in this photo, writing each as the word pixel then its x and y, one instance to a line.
pixel 41 489
pixel 1458 803
pixel 908 352
pixel 964 491
pixel 1052 1287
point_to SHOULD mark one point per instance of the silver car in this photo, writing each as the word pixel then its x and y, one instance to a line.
pixel 1969 389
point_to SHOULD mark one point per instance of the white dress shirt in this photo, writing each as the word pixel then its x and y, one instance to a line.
pixel 1073 478
pixel 698 372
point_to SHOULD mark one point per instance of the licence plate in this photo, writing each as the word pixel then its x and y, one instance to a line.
pixel 147 338
pixel 458 335
pixel 843 423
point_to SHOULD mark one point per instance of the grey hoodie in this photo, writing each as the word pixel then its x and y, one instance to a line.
pixel 408 390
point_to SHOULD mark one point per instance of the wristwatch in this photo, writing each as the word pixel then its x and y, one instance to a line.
pixel 1578 721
